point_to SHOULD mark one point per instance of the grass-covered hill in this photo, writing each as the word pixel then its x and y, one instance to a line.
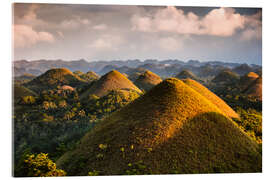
pixel 21 91
pixel 186 74
pixel 147 80
pixel 113 80
pixel 247 79
pixel 225 77
pixel 170 129
pixel 89 76
pixel 255 89
pixel 227 110
pixel 53 78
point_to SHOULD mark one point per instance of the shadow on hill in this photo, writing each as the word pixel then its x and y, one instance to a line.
pixel 207 143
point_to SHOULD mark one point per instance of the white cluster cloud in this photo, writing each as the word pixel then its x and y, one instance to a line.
pixel 218 22
pixel 25 36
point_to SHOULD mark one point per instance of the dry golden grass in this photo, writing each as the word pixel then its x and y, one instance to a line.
pixel 113 80
pixel 170 129
pixel 227 110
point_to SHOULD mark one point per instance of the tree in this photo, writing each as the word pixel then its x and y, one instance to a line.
pixel 37 165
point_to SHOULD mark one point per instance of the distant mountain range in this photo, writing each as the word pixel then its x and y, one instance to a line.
pixel 164 68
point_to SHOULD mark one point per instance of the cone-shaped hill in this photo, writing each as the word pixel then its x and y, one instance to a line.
pixel 247 79
pixel 227 110
pixel 113 80
pixel 53 78
pixel 255 89
pixel 170 129
pixel 226 77
pixel 90 76
pixel 147 80
pixel 186 74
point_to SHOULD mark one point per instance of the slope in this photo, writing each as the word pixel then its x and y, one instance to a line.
pixel 186 74
pixel 53 78
pixel 255 89
pixel 170 129
pixel 147 80
pixel 113 80
pixel 247 79
pixel 227 110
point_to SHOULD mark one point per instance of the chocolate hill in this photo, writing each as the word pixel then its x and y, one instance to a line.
pixel 53 78
pixel 247 79
pixel 113 80
pixel 147 80
pixel 170 129
pixel 255 89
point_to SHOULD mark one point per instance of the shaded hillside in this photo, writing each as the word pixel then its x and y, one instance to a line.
pixel 170 129
pixel 247 79
pixel 242 69
pixel 89 76
pixel 225 77
pixel 53 78
pixel 20 91
pixel 227 110
pixel 147 80
pixel 255 89
pixel 114 100
pixel 186 74
pixel 111 81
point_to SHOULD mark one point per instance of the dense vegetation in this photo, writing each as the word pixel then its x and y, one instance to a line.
pixel 85 125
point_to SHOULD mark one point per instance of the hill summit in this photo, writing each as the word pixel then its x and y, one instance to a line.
pixel 255 89
pixel 147 80
pixel 113 80
pixel 170 129
pixel 53 78
pixel 226 77
pixel 247 79
pixel 186 74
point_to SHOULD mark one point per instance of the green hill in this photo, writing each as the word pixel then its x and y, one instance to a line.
pixel 113 80
pixel 147 80
pixel 255 89
pixel 186 74
pixel 89 76
pixel 20 91
pixel 53 78
pixel 226 77
pixel 227 110
pixel 170 129
pixel 247 79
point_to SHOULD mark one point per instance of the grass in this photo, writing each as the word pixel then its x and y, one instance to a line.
pixel 147 80
pixel 53 78
pixel 20 91
pixel 186 74
pixel 171 129
pixel 111 81
pixel 226 76
pixel 255 89
pixel 227 110
pixel 247 79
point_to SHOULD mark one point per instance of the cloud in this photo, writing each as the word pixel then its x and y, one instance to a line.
pixel 106 42
pixel 218 22
pixel 100 27
pixel 74 23
pixel 169 44
pixel 25 36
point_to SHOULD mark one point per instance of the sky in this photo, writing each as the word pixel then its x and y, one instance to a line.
pixel 113 32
